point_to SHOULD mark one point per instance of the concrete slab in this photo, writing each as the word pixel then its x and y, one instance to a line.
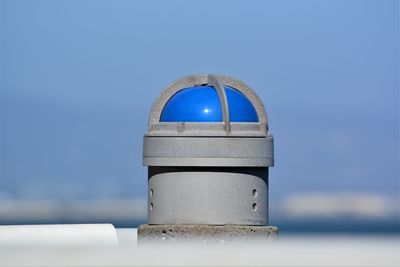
pixel 200 233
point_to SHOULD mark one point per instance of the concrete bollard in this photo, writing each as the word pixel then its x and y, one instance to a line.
pixel 208 150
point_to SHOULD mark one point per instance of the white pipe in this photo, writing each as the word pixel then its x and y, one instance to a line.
pixel 58 235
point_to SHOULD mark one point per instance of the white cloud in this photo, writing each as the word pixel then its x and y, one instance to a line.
pixel 45 209
pixel 322 204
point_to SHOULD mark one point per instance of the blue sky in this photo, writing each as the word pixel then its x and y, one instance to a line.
pixel 78 79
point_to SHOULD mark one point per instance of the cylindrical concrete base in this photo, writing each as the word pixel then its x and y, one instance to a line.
pixel 213 234
pixel 213 195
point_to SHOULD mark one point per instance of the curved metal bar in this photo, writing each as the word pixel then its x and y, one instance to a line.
pixel 223 100
pixel 171 90
pixel 250 94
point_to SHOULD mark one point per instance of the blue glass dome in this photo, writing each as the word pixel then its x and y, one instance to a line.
pixel 201 104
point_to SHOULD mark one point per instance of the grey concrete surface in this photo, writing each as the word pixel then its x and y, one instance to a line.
pixel 217 196
pixel 208 234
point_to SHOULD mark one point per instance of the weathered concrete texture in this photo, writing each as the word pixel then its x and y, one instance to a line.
pixel 206 234
pixel 208 196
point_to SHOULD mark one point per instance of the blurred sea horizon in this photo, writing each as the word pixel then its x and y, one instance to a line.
pixel 130 213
